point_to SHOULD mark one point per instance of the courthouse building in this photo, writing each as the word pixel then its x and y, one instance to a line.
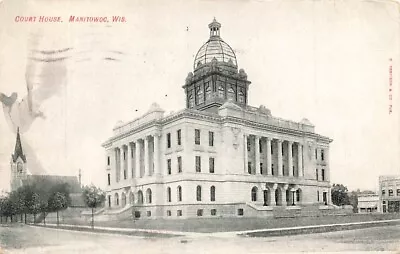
pixel 389 196
pixel 217 157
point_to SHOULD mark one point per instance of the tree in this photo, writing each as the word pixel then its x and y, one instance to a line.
pixel 34 205
pixel 94 197
pixel 7 208
pixel 339 195
pixel 57 202
pixel 18 200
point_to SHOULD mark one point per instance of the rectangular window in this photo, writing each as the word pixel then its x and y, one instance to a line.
pixel 322 154
pixel 390 192
pixel 323 174
pixel 199 212
pixel 213 212
pixel 109 179
pixel 211 164
pixel 240 211
pixel 383 192
pixel 316 174
pixel 260 145
pixel 318 196
pixel 179 213
pixel 316 153
pixel 261 168
pixel 398 192
pixel 249 167
pixel 124 174
pixel 198 164
pixel 179 164
pixel 211 138
pixel 272 169
pixel 148 213
pixel 168 140
pixel 197 136
pixel 272 149
pixel 248 145
pixel 283 148
pixel 168 212
pixel 179 137
pixel 169 166
pixel 108 160
pixel 124 156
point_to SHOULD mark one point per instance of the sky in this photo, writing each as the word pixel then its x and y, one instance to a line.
pixel 327 61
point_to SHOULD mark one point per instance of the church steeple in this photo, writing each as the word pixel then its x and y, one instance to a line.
pixel 18 149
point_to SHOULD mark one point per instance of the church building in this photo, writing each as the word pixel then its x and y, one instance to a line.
pixel 217 157
pixel 21 175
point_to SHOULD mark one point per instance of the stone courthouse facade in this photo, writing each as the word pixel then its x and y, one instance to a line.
pixel 217 157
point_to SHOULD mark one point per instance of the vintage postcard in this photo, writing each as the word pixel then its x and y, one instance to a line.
pixel 199 126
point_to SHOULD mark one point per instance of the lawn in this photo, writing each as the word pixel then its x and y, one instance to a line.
pixel 208 225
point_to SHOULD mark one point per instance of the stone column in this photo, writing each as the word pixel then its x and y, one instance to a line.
pixel 146 156
pixel 129 158
pixel 122 164
pixel 269 158
pixel 290 159
pixel 156 154
pixel 117 174
pixel 280 164
pixel 257 155
pixel 272 190
pixel 293 196
pixel 284 189
pixel 137 158
pixel 245 154
pixel 300 159
pixel 327 170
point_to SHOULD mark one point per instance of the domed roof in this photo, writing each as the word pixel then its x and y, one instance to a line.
pixel 216 48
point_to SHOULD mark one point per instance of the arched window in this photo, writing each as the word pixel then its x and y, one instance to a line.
pixel 212 193
pixel 231 94
pixel 116 199
pixel 131 198
pixel 148 196
pixel 191 100
pixel 298 195
pixel 208 92
pixel 254 193
pixel 241 96
pixel 198 193
pixel 168 194
pixel 199 94
pixel 221 91
pixel 179 193
pixel 140 197
pixel 20 168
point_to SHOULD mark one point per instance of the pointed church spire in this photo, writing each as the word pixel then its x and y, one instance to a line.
pixel 18 149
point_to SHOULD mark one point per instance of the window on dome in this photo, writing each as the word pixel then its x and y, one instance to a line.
pixel 191 100
pixel 221 91
pixel 241 96
pixel 231 93
pixel 199 95
pixel 208 92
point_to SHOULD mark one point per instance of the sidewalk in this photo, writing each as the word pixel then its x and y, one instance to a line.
pixel 254 233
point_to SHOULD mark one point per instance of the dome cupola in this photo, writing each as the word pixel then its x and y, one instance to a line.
pixel 215 49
